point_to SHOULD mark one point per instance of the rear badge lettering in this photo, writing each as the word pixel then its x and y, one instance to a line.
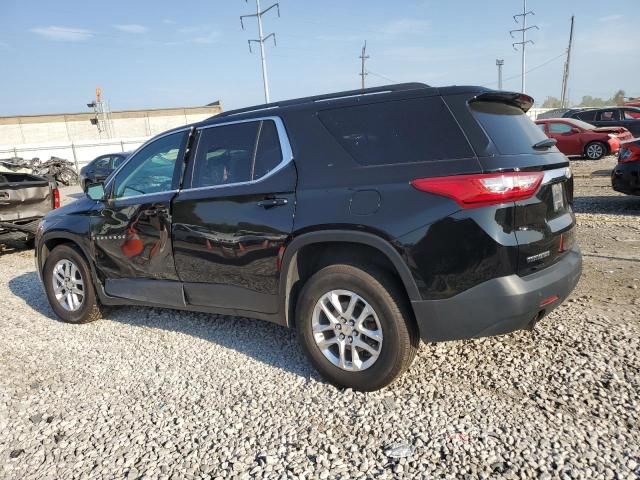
pixel 540 256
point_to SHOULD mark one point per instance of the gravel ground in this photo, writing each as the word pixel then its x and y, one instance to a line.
pixel 164 394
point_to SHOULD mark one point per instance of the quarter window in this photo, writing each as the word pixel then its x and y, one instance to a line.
pixel 151 170
pixel 403 131
pixel 268 153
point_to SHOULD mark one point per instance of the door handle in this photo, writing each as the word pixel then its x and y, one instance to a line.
pixel 272 202
pixel 156 211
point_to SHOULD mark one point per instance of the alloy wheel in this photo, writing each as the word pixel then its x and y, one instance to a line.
pixel 595 151
pixel 347 330
pixel 68 285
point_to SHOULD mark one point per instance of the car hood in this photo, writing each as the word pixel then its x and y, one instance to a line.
pixel 80 206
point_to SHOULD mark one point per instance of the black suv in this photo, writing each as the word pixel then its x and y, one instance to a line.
pixel 366 219
pixel 628 117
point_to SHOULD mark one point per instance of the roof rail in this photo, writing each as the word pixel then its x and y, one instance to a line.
pixel 326 97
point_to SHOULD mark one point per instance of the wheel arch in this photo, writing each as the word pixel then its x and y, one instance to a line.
pixel 290 274
pixel 54 239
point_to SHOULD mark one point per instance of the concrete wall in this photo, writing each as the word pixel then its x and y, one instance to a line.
pixel 76 127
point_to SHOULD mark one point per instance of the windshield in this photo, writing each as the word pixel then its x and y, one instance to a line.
pixel 510 129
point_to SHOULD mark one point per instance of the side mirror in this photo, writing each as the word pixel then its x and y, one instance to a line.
pixel 95 191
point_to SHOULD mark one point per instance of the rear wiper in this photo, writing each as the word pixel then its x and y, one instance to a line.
pixel 544 144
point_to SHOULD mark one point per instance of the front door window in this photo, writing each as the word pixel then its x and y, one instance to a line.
pixel 151 170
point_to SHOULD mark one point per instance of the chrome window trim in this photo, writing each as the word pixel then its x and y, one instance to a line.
pixel 144 195
pixel 285 148
pixel 555 174
pixel 135 152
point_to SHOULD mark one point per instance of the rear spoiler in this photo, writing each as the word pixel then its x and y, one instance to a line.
pixel 520 100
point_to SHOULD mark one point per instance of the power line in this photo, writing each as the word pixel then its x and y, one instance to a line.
pixel 530 70
pixel 381 76
pixel 261 39
pixel 524 42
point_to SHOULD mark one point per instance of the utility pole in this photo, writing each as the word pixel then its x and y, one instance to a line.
pixel 363 57
pixel 564 100
pixel 524 41
pixel 261 39
pixel 499 63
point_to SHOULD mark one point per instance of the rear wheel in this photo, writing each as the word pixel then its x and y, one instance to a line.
pixel 67 282
pixel 595 150
pixel 355 326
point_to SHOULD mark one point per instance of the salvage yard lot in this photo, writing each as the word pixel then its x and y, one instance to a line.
pixel 167 394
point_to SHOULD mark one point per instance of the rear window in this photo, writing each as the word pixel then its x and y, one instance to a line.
pixel 405 131
pixel 510 129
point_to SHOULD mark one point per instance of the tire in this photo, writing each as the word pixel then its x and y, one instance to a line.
pixel 595 150
pixel 399 337
pixel 88 308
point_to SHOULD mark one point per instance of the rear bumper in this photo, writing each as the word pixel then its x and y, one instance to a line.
pixel 614 146
pixel 625 178
pixel 500 305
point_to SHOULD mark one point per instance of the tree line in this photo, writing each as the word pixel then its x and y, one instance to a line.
pixel 618 98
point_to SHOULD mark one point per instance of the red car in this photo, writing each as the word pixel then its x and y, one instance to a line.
pixel 576 137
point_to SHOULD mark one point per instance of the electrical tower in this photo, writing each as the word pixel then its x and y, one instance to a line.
pixel 261 39
pixel 524 41
pixel 564 100
pixel 102 112
pixel 499 63
pixel 363 57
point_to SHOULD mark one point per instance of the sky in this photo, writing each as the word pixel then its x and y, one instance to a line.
pixel 157 53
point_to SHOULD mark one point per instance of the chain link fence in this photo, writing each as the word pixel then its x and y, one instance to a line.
pixel 80 153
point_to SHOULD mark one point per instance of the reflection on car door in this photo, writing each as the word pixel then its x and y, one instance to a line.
pixel 236 214
pixel 131 234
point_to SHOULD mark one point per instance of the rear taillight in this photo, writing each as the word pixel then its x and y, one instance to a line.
pixel 56 198
pixel 480 190
pixel 628 154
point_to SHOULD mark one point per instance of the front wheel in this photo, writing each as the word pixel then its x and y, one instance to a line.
pixel 67 282
pixel 595 150
pixel 355 326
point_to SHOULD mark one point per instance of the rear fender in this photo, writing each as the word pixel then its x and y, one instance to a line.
pixel 288 270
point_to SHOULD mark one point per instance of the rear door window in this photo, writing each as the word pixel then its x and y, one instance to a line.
pixel 397 132
pixel 510 129
pixel 236 153
pixel 224 154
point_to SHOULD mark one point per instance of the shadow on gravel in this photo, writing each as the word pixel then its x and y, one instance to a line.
pixel 266 342
pixel 608 204
pixel 28 287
